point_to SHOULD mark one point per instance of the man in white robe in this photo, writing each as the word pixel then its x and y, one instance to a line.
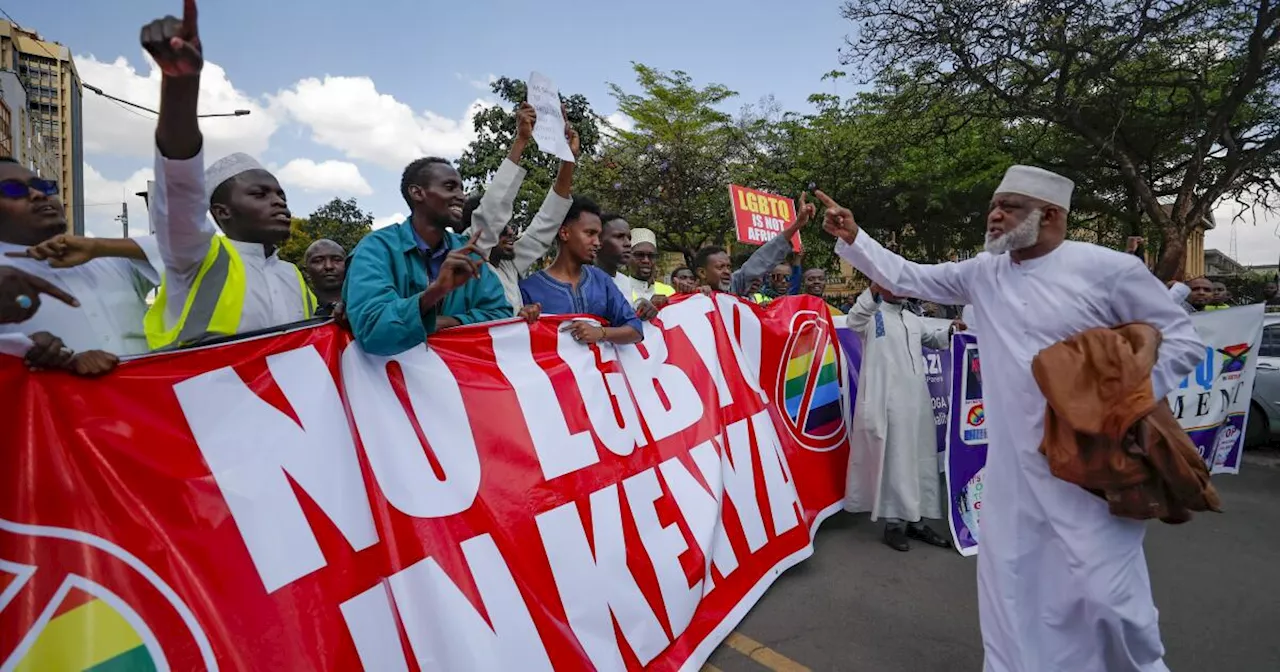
pixel 1062 584
pixel 893 457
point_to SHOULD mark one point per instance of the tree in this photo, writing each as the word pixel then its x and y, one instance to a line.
pixel 1171 106
pixel 341 221
pixel 671 172
pixel 496 128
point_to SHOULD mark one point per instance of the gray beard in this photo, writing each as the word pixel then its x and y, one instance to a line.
pixel 1024 235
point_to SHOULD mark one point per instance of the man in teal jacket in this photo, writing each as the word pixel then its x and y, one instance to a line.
pixel 410 280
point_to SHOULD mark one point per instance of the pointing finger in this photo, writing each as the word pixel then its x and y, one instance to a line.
pixel 826 200
pixel 190 26
pixel 45 287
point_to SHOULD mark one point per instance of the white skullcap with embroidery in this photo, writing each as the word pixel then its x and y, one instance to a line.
pixel 226 168
pixel 644 236
pixel 1038 183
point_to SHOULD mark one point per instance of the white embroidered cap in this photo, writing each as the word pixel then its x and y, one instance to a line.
pixel 644 236
pixel 1038 183
pixel 226 168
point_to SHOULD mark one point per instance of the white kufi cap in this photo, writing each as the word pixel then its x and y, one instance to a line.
pixel 227 168
pixel 1038 183
pixel 644 236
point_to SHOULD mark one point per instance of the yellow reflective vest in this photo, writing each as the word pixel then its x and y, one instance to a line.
pixel 214 303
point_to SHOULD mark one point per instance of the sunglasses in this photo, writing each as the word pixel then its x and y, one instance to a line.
pixel 19 189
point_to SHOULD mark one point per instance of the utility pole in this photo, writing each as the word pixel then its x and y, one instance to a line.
pixel 124 217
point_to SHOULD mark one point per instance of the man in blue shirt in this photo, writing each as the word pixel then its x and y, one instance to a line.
pixel 415 278
pixel 572 285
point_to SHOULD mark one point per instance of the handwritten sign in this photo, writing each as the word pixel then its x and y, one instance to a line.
pixel 761 216
pixel 548 132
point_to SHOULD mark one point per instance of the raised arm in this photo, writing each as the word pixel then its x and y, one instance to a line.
pixel 541 234
pixel 941 283
pixel 498 202
pixel 862 312
pixel 1138 296
pixel 178 209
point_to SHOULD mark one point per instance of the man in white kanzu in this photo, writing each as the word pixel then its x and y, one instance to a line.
pixel 1062 584
pixel 893 452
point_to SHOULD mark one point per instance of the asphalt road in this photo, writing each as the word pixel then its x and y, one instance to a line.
pixel 857 605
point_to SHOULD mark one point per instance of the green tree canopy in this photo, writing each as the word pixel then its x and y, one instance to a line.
pixel 671 171
pixel 496 129
pixel 1166 107
pixel 340 221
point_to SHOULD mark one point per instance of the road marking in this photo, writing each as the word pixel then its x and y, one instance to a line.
pixel 762 654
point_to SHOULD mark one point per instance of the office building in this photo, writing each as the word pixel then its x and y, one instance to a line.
pixel 42 105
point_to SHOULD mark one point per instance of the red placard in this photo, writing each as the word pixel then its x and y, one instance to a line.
pixel 761 216
pixel 504 498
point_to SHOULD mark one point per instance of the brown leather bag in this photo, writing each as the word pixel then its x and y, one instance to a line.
pixel 1107 432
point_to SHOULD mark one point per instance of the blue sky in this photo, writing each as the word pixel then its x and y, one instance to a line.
pixel 345 93
pixel 408 68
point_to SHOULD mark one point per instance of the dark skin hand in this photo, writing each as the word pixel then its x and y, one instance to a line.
pixel 15 283
pixel 93 363
pixel 48 352
pixel 645 310
pixel 175 45
pixel 457 269
pixel 67 250
pixel 531 312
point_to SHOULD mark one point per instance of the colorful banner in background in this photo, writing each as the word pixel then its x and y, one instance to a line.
pixel 504 499
pixel 1212 405
pixel 760 216
pixel 966 444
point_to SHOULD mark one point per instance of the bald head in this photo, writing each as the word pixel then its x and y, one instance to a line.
pixel 326 266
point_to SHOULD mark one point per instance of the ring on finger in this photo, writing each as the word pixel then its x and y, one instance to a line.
pixel 23 301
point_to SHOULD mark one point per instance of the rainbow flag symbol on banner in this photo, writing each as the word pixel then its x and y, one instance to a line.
pixel 86 634
pixel 811 392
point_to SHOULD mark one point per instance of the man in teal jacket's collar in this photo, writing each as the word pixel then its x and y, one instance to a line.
pixel 410 280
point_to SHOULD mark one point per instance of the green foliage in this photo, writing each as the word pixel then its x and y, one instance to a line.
pixel 340 221
pixel 671 171
pixel 496 129
pixel 1161 109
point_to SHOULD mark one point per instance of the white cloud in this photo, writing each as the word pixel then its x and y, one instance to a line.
pixel 349 114
pixel 338 178
pixel 115 129
pixel 394 218
pixel 621 121
pixel 1257 234
pixel 103 197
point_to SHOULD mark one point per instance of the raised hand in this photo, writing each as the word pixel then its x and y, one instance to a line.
pixel 20 295
pixel 806 211
pixel 526 119
pixel 459 266
pixel 175 43
pixel 575 142
pixel 838 221
pixel 61 251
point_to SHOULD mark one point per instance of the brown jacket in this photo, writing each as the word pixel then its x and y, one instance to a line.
pixel 1105 430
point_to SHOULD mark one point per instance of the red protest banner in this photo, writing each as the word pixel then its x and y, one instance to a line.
pixel 761 216
pixel 495 501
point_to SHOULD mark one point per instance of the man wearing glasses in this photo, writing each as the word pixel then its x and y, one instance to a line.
pixel 644 269
pixel 109 280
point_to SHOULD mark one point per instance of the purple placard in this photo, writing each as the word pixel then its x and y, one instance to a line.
pixel 966 445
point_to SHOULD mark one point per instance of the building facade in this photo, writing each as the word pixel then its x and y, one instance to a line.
pixel 42 95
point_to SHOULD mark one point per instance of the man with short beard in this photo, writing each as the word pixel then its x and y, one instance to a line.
pixel 644 269
pixel 1062 583
pixel 326 264
pixel 407 281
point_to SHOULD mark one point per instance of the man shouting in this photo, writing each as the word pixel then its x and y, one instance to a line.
pixel 1062 584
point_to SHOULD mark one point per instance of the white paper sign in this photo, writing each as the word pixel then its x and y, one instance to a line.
pixel 549 131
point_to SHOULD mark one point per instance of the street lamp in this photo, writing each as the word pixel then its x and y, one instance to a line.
pixel 237 113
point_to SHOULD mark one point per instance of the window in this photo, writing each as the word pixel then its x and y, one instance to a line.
pixel 1270 342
